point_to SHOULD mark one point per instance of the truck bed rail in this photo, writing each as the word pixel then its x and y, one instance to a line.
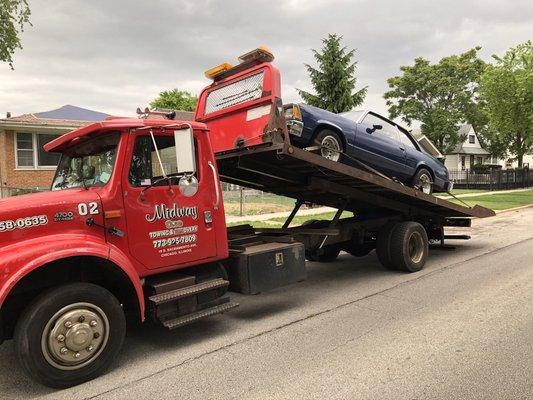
pixel 280 168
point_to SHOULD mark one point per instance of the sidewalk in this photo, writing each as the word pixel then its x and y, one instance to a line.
pixel 321 210
pixel 487 193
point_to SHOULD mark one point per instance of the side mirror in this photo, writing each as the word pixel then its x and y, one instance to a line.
pixel 185 152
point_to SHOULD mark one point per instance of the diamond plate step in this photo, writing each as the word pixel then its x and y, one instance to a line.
pixel 187 319
pixel 188 291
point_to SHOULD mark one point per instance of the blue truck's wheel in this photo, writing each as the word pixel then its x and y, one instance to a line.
pixel 423 181
pixel 331 146
pixel 70 334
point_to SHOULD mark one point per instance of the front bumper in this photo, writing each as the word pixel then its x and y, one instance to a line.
pixel 295 127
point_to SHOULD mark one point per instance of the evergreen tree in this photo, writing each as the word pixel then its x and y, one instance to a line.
pixel 334 80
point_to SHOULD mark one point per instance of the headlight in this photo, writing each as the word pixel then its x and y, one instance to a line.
pixel 293 112
pixel 288 113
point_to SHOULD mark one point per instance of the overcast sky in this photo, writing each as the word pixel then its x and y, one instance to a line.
pixel 113 56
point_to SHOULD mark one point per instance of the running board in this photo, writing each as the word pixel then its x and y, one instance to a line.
pixel 195 316
pixel 188 291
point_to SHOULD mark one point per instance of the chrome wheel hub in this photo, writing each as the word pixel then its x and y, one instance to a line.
pixel 75 336
pixel 416 247
pixel 330 148
pixel 425 183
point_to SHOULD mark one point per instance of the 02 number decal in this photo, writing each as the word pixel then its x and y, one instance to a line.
pixel 88 208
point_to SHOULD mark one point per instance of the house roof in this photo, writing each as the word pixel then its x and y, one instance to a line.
pixel 464 129
pixel 67 116
pixel 470 150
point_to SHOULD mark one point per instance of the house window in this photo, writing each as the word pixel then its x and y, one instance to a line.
pixel 30 153
pixel 25 150
pixel 463 163
pixel 480 160
pixel 471 139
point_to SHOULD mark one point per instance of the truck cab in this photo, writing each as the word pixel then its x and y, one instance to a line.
pixel 132 199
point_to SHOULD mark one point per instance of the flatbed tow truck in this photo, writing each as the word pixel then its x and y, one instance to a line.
pixel 134 226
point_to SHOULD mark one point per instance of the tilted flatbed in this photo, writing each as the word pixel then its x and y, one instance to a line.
pixel 378 203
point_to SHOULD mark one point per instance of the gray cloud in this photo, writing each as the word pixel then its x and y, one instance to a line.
pixel 113 56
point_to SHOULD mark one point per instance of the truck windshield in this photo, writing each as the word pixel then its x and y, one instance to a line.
pixel 87 164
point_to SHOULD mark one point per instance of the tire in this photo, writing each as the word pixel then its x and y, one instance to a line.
pixel 329 139
pixel 81 305
pixel 409 246
pixel 383 245
pixel 423 181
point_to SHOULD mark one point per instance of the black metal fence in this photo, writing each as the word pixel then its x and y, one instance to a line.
pixel 496 179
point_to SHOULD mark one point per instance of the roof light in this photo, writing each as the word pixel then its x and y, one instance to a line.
pixel 213 72
pixel 262 54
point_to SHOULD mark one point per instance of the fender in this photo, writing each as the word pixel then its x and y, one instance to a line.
pixel 321 122
pixel 20 259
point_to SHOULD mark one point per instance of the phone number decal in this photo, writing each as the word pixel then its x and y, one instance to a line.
pixel 22 223
pixel 174 241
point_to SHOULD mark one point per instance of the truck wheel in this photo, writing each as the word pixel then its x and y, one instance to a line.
pixel 70 334
pixel 409 246
pixel 330 144
pixel 383 250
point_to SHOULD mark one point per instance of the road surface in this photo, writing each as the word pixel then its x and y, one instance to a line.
pixel 460 329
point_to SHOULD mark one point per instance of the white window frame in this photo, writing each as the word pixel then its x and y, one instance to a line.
pixel 36 166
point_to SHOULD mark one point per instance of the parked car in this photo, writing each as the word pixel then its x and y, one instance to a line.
pixel 370 138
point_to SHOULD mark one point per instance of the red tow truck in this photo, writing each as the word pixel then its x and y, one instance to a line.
pixel 134 227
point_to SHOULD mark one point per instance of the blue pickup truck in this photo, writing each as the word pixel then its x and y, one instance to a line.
pixel 370 138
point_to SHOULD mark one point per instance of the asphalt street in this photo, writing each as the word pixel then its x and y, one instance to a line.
pixel 460 329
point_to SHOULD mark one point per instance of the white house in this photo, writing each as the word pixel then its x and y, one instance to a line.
pixel 468 153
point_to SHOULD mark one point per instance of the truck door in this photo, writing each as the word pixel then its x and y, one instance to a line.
pixel 378 144
pixel 168 224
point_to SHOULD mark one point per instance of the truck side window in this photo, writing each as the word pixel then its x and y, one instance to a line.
pixel 145 167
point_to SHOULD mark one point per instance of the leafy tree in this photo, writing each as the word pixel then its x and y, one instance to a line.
pixel 14 14
pixel 440 96
pixel 175 100
pixel 334 80
pixel 507 91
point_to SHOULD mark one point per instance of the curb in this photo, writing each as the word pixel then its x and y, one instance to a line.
pixel 513 209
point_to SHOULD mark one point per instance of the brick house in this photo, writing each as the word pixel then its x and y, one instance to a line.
pixel 23 162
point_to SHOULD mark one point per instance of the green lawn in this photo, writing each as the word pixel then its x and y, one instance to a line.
pixel 464 191
pixel 502 201
pixel 263 203
pixel 298 220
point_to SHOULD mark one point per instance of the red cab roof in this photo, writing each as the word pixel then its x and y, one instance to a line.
pixel 72 137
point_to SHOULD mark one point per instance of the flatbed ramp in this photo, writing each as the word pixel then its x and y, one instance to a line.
pixel 282 169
